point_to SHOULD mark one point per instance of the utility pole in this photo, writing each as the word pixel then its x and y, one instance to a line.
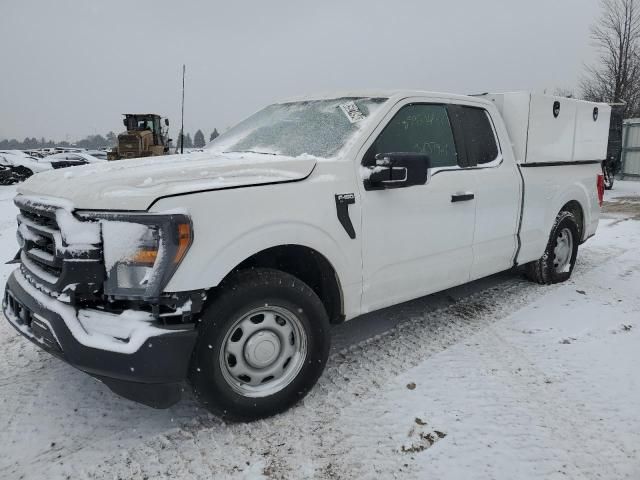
pixel 182 120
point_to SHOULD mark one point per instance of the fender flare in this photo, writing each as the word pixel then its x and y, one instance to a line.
pixel 576 192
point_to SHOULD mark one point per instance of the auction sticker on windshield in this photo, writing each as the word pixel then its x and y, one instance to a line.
pixel 352 111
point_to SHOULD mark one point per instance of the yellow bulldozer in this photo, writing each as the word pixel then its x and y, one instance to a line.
pixel 146 136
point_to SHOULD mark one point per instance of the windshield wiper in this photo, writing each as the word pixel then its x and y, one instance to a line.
pixel 250 151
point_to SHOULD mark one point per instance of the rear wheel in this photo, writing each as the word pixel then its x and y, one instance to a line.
pixel 559 258
pixel 263 343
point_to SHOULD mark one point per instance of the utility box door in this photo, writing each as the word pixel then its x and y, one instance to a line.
pixel 592 131
pixel 549 129
pixel 551 136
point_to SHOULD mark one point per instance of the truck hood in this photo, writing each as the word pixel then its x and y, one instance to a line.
pixel 135 184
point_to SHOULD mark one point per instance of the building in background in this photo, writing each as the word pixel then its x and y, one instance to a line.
pixel 631 149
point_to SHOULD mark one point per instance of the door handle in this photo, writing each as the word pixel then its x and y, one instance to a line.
pixel 462 197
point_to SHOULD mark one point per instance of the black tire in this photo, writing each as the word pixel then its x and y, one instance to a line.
pixel 242 293
pixel 543 270
pixel 607 173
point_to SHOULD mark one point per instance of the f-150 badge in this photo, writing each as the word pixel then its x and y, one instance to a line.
pixel 343 201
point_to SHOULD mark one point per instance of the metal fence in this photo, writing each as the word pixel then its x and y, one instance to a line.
pixel 631 148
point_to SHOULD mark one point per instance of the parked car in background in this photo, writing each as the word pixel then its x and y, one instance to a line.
pixel 72 159
pixel 5 175
pixel 100 154
pixel 35 153
pixel 21 166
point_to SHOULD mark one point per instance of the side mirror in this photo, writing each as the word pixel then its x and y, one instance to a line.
pixel 397 170
pixel 124 121
pixel 166 122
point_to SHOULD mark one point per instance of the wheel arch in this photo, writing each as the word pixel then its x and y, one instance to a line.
pixel 307 264
pixel 575 199
pixel 574 207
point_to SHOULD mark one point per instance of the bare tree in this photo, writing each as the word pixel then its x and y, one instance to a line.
pixel 616 77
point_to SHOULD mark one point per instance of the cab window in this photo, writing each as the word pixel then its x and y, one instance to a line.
pixel 418 128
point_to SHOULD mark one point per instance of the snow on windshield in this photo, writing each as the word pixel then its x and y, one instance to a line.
pixel 320 128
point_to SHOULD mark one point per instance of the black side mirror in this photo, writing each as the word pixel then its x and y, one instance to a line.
pixel 124 121
pixel 397 170
pixel 166 122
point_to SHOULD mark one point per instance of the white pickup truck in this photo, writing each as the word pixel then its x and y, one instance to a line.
pixel 226 267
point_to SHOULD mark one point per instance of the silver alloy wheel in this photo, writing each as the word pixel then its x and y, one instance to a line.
pixel 263 351
pixel 563 251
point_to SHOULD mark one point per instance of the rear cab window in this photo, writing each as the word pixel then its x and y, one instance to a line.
pixel 479 136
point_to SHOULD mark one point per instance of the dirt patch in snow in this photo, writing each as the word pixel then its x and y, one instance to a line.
pixel 623 205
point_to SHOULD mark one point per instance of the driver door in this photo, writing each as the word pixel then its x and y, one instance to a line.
pixel 417 239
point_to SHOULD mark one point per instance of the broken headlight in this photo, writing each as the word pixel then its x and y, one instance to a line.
pixel 141 251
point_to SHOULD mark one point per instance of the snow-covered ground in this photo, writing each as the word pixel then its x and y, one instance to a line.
pixel 500 378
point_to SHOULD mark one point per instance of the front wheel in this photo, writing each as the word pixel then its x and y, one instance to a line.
pixel 559 258
pixel 262 345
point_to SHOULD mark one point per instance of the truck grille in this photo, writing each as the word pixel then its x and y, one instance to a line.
pixel 44 260
pixel 39 230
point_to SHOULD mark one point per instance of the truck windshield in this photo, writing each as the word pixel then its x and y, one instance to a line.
pixel 319 128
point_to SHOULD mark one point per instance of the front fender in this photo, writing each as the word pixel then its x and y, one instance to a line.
pixel 205 268
pixel 231 225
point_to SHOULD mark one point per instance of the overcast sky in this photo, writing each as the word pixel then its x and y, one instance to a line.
pixel 70 68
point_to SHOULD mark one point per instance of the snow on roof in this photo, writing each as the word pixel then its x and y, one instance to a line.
pixel 377 94
pixel 142 115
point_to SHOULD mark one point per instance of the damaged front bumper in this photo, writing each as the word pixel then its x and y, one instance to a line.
pixel 134 356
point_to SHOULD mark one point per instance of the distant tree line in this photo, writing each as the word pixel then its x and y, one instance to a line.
pixel 198 140
pixel 90 142
pixel 93 142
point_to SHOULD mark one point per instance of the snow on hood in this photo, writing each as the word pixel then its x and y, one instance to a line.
pixel 135 184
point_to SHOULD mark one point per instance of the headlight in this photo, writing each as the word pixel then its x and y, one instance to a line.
pixel 141 251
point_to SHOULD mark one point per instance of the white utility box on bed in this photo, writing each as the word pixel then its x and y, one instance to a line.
pixel 549 129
